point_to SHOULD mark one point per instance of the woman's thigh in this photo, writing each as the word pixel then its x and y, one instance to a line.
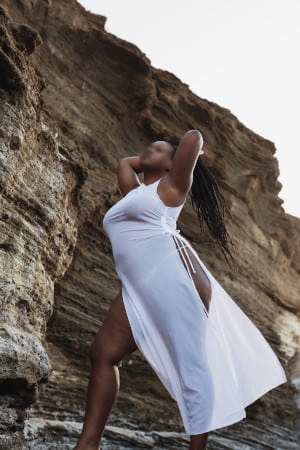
pixel 114 339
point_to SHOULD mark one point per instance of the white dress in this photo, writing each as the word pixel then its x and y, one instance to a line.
pixel 213 363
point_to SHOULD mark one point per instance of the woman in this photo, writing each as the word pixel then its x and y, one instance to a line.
pixel 207 353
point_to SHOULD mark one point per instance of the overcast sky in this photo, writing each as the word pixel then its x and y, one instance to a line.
pixel 241 54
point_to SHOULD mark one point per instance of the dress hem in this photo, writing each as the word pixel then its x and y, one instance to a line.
pixel 243 411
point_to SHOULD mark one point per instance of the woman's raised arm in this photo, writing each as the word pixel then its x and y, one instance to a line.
pixel 127 173
pixel 185 159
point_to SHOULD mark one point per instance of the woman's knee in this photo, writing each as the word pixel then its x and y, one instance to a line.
pixel 98 350
pixel 102 350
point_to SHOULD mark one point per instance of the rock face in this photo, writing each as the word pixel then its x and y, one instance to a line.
pixel 75 99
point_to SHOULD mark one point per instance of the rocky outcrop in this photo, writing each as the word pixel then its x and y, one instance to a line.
pixel 73 100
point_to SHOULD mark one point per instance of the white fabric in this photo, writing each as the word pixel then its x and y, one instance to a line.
pixel 212 364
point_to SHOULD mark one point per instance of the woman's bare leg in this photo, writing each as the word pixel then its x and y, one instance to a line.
pixel 113 341
pixel 198 441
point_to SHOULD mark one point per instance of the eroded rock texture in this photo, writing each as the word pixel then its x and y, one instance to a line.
pixel 74 99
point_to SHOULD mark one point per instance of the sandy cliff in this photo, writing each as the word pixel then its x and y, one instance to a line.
pixel 73 100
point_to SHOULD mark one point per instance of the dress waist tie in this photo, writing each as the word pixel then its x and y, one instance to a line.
pixel 182 249
pixel 167 230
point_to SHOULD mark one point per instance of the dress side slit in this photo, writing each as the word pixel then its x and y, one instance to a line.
pixel 198 277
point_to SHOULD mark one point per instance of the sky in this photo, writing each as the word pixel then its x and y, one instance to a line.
pixel 241 54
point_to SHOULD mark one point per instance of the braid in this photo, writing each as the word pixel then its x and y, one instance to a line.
pixel 209 204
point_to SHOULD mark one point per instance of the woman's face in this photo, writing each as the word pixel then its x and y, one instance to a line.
pixel 157 156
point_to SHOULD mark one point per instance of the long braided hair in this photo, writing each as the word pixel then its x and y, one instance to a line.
pixel 209 204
